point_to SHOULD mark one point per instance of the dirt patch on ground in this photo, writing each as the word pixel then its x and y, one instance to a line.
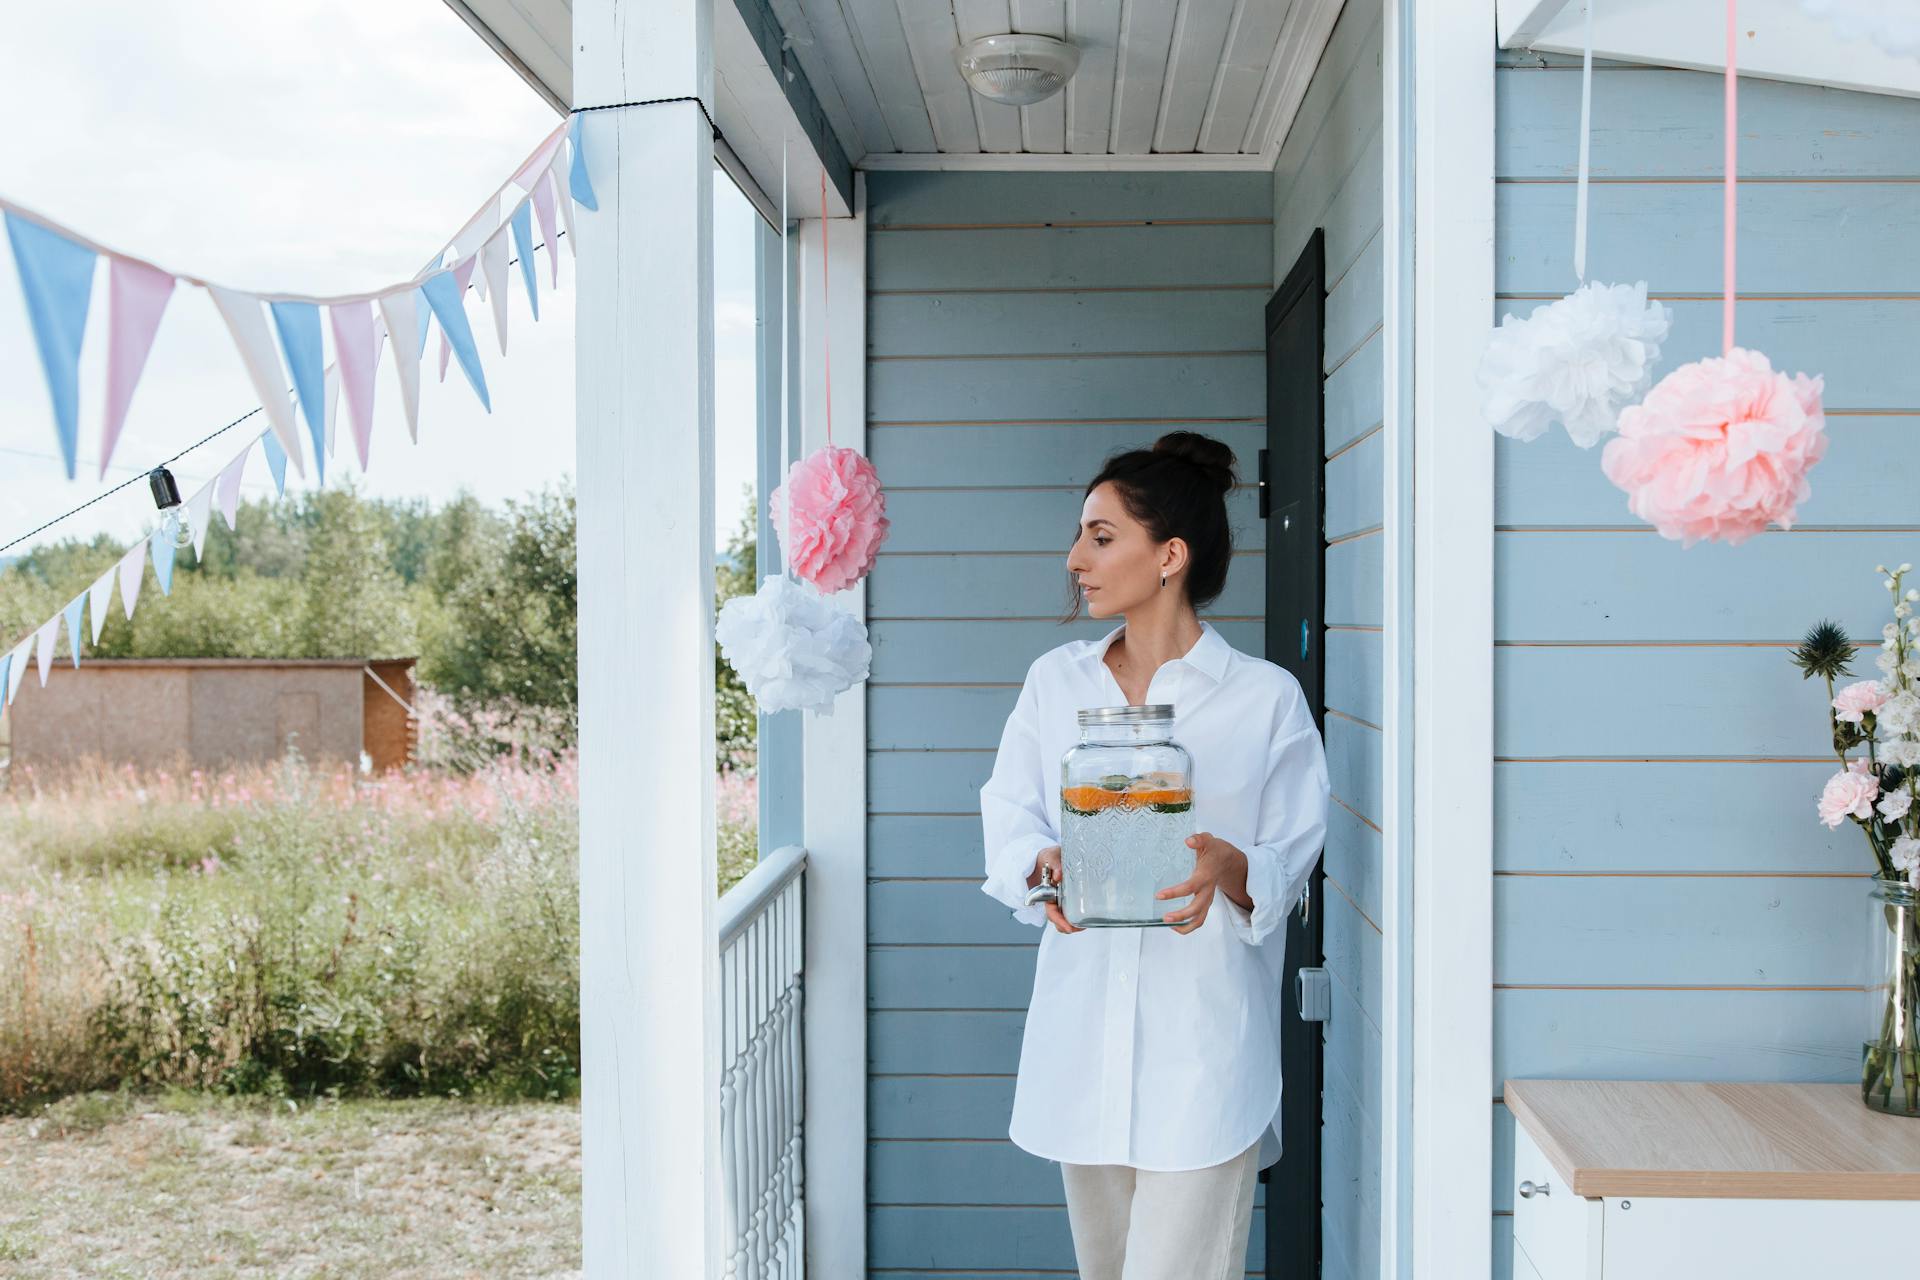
pixel 142 1188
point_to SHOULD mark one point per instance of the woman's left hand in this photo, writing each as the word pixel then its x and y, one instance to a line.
pixel 1218 867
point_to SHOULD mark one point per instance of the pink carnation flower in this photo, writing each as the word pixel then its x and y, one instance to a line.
pixel 1718 448
pixel 1854 701
pixel 1849 794
pixel 839 517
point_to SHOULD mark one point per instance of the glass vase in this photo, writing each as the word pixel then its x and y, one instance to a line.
pixel 1890 1057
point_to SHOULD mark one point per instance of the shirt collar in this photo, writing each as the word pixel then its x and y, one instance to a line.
pixel 1208 654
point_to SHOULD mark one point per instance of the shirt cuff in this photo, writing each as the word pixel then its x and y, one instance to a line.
pixel 1007 882
pixel 1265 884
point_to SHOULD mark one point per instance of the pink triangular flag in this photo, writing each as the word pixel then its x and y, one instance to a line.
pixel 17 667
pixel 43 646
pixel 557 175
pixel 200 510
pixel 397 310
pixel 543 209
pixel 227 488
pixel 137 296
pixel 133 570
pixel 97 597
pixel 540 159
pixel 248 324
pixel 493 268
pixel 356 352
pixel 330 392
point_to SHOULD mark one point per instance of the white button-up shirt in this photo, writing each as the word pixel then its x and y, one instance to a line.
pixel 1148 1047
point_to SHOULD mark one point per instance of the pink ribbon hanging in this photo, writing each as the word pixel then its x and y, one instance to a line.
pixel 1728 214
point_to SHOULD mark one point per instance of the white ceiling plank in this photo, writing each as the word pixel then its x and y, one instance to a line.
pixel 931 37
pixel 1031 162
pixel 1146 35
pixel 1303 38
pixel 1193 64
pixel 1783 42
pixel 880 43
pixel 997 123
pixel 1517 23
pixel 1094 26
pixel 1043 126
pixel 1253 46
pixel 847 100
pixel 534 37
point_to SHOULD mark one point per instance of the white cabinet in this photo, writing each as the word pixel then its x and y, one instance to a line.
pixel 1636 1180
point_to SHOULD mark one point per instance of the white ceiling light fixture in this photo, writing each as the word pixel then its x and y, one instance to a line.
pixel 1019 70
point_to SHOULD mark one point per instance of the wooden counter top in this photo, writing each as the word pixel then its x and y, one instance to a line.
pixel 1753 1141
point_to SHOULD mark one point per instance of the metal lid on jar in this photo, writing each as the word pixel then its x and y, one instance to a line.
pixel 1127 715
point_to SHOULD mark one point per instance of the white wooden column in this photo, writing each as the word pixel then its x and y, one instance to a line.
pixel 649 968
pixel 836 786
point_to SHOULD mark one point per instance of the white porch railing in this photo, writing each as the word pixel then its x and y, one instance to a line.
pixel 762 1090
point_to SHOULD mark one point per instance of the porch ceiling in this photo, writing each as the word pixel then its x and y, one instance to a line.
pixel 1162 83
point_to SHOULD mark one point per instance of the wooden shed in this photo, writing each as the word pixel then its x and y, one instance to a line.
pixel 212 712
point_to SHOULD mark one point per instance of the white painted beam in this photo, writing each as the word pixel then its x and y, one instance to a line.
pixel 1520 22
pixel 832 314
pixel 649 965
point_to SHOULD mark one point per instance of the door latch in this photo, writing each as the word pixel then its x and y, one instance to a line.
pixel 1315 989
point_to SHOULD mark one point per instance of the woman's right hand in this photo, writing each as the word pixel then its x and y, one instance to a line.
pixel 1050 857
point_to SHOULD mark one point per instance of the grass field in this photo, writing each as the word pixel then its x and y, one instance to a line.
pixel 119 1186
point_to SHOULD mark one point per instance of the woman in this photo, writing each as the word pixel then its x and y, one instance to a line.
pixel 1150 1064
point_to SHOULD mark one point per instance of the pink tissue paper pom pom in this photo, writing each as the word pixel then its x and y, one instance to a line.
pixel 1849 794
pixel 839 517
pixel 1718 448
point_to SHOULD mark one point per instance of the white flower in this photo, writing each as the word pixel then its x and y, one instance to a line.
pixel 791 648
pixel 1899 716
pixel 1893 805
pixel 1576 361
pixel 1887 661
pixel 1905 854
pixel 1904 752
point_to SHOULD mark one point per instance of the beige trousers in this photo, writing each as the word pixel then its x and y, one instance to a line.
pixel 1138 1224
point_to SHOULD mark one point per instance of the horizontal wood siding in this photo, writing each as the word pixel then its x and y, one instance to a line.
pixel 1666 904
pixel 1328 176
pixel 1021 328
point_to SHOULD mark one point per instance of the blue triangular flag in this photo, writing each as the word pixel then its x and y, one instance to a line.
pixel 6 678
pixel 162 560
pixel 276 462
pixel 577 180
pixel 56 277
pixel 522 224
pixel 73 625
pixel 299 326
pixel 443 295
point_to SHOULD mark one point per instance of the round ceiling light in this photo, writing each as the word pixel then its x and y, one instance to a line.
pixel 1019 70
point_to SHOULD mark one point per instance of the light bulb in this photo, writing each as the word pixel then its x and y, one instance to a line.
pixel 177 526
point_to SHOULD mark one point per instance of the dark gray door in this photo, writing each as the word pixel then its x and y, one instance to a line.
pixel 1291 501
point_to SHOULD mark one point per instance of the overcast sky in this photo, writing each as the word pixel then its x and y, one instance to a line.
pixel 315 145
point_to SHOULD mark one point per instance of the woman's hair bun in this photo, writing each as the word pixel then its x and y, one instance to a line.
pixel 1210 455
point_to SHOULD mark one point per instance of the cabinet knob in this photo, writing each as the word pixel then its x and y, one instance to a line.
pixel 1529 1190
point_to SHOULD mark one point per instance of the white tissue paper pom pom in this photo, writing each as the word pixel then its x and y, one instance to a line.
pixel 790 648
pixel 1892 25
pixel 1576 361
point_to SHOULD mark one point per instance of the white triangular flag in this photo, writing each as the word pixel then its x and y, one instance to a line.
pixel 200 508
pixel 493 269
pixel 248 324
pixel 470 237
pixel 397 310
pixel 558 172
pixel 17 667
pixel 331 393
pixel 133 569
pixel 97 597
pixel 43 646
pixel 227 488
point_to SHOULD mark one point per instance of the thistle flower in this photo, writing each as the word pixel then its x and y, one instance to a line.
pixel 1824 653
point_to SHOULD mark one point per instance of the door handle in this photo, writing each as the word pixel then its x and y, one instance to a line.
pixel 1315 989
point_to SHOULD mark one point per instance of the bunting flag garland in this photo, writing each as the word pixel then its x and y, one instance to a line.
pixel 73 611
pixel 298 324
pixel 97 597
pixel 56 276
pixel 137 296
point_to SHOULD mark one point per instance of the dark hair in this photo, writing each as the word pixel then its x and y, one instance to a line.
pixel 1178 489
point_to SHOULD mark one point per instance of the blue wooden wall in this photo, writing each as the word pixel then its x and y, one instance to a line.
pixel 1329 175
pixel 1020 328
pixel 1666 904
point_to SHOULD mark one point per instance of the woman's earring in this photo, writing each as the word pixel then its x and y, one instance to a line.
pixel 1163 579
